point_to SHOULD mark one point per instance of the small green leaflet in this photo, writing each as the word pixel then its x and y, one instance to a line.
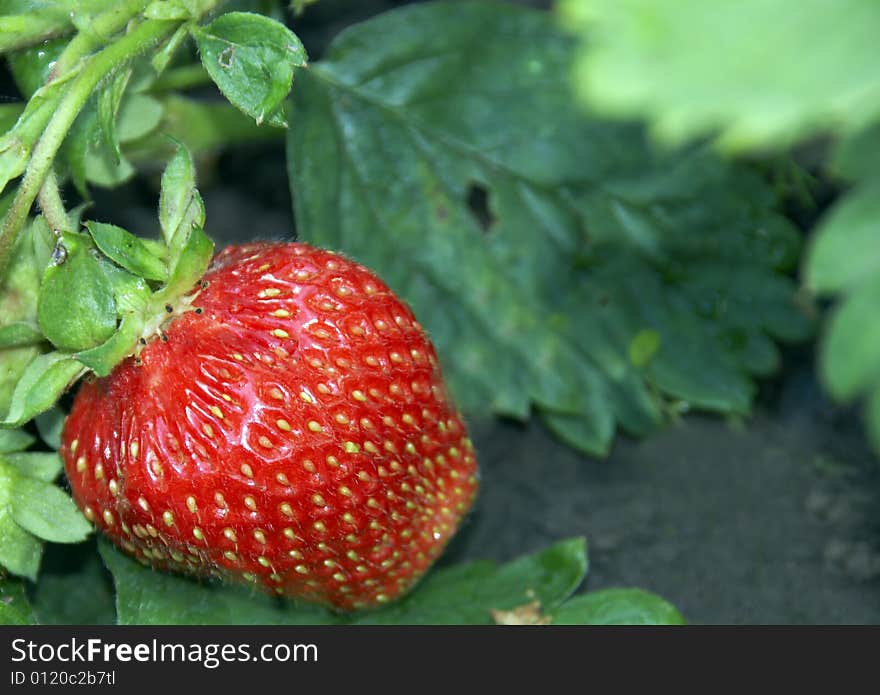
pixel 598 279
pixel 456 595
pixel 252 59
pixel 751 71
pixel 127 251
pixel 180 205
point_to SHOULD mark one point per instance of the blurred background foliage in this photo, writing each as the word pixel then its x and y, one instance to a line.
pixel 761 77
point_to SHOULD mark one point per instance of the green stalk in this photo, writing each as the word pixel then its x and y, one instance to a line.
pixel 51 205
pixel 101 28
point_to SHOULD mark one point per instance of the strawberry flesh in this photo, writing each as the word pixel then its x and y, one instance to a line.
pixel 292 431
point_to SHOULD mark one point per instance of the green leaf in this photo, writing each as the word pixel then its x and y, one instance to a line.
pixel 19 289
pixel 846 247
pixel 20 552
pixel 14 607
pixel 39 465
pixel 850 358
pixel 176 195
pixel 454 161
pixel 147 597
pixel 103 358
pixel 74 587
pixel 617 607
pixel 467 594
pixel 252 59
pixel 14 440
pixel 192 262
pixel 109 99
pixel 19 334
pixel 464 594
pixel 139 115
pixel 751 71
pixel 76 308
pixel 127 250
pixel 40 386
pixel 854 157
pixel 163 56
pixel 49 425
pixel 32 66
pixel 45 511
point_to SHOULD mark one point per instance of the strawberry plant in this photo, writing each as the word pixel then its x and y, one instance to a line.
pixel 291 416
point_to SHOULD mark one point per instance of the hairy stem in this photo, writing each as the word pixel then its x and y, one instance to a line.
pixel 101 29
pixel 51 205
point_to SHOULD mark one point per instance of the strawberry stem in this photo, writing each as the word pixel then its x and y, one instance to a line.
pixel 51 204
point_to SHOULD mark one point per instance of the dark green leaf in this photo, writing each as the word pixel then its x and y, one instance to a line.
pixel 147 597
pixel 467 594
pixel 14 607
pixel 455 163
pixel 751 70
pixel 40 386
pixel 127 250
pixel 617 607
pixel 76 308
pixel 45 511
pixel 463 594
pixel 74 587
pixel 252 59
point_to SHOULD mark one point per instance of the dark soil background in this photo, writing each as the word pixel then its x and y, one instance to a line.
pixel 775 519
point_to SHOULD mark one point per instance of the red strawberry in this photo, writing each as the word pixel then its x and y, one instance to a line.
pixel 292 431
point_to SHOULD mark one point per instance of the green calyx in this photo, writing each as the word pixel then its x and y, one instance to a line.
pixel 104 293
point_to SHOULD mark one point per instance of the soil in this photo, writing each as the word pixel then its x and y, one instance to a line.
pixel 775 519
